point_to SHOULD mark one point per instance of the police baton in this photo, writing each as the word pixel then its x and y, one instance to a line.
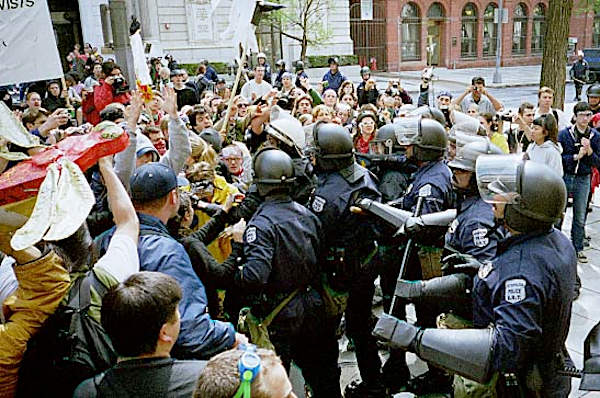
pixel 407 251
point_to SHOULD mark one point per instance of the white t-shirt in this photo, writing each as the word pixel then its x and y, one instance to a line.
pixel 121 258
pixel 563 120
pixel 253 87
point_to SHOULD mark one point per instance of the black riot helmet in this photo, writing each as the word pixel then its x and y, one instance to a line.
pixel 593 90
pixel 333 147
pixel 534 194
pixel 466 158
pixel 273 171
pixel 427 136
pixel 385 141
pixel 428 112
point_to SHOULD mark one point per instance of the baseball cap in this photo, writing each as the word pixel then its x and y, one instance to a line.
pixel 152 181
pixel 445 94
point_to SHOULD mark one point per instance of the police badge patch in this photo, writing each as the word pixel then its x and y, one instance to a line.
pixel 479 237
pixel 514 290
pixel 485 270
pixel 318 204
pixel 425 191
pixel 251 234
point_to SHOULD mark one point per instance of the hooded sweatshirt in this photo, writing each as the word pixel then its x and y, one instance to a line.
pixel 548 153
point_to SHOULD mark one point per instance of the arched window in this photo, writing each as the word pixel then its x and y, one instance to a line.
pixel 490 31
pixel 468 45
pixel 436 11
pixel 411 32
pixel 519 29
pixel 539 29
pixel 596 31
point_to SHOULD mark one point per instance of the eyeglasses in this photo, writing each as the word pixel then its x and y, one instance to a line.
pixel 242 105
pixel 585 114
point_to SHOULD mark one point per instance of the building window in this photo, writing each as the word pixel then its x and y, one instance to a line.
pixel 490 31
pixel 519 29
pixel 539 29
pixel 468 45
pixel 436 11
pixel 596 32
pixel 411 33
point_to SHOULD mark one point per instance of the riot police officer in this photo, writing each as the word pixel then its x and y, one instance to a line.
pixel 593 95
pixel 279 261
pixel 286 133
pixel 522 301
pixel 348 244
pixel 430 191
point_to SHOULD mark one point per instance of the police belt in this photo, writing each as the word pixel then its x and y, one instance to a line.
pixel 263 304
pixel 341 254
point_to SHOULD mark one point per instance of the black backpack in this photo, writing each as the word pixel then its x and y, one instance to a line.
pixel 69 348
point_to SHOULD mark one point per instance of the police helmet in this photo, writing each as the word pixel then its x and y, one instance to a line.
pixel 426 135
pixel 286 129
pixel 593 90
pixel 466 156
pixel 273 171
pixel 534 194
pixel 299 66
pixel 385 141
pixel 261 55
pixel 429 112
pixel 334 149
pixel 280 63
pixel 365 71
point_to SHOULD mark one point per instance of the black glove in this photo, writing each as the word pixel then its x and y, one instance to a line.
pixel 135 26
pixel 397 333
pixel 460 263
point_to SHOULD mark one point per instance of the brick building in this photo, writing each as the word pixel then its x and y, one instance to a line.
pixel 408 35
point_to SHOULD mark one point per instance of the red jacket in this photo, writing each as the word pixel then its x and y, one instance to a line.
pixel 96 102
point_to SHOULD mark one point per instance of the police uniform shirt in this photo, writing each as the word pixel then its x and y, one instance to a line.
pixel 468 233
pixel 527 293
pixel 433 183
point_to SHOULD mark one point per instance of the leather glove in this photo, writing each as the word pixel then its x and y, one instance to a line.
pixel 397 333
pixel 414 225
pixel 460 263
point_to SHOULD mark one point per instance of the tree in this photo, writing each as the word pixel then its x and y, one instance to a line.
pixel 304 17
pixel 555 49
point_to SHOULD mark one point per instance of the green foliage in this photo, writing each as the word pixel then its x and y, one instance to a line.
pixel 320 61
pixel 221 67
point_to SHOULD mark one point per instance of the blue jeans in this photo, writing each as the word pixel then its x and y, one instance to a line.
pixel 579 187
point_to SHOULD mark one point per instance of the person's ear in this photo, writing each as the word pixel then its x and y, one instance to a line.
pixel 164 335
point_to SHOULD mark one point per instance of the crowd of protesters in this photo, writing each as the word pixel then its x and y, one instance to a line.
pixel 226 200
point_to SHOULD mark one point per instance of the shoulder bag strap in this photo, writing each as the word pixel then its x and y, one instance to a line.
pixel 269 318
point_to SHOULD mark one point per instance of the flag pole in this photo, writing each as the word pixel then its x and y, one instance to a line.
pixel 238 76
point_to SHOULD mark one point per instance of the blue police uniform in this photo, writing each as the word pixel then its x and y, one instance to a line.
pixel 280 255
pixel 351 237
pixel 434 183
pixel 335 80
pixel 528 299
pixel 468 233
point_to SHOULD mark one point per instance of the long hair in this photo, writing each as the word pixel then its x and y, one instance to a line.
pixel 550 126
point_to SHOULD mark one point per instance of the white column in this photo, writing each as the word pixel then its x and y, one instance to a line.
pixel 150 28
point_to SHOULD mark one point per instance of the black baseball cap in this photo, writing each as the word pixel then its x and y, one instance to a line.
pixel 152 181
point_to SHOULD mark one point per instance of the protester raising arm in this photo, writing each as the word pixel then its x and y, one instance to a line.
pixel 125 160
pixel 179 142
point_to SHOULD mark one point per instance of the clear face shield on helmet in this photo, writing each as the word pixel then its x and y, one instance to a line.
pixel 498 178
pixel 407 130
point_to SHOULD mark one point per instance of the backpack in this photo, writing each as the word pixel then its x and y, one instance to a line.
pixel 69 348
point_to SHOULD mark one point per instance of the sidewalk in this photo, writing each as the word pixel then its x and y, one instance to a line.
pixel 512 76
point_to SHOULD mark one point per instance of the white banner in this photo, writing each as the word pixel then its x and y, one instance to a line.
pixel 28 49
pixel 142 73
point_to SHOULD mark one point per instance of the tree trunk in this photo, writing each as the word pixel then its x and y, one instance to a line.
pixel 303 46
pixel 555 49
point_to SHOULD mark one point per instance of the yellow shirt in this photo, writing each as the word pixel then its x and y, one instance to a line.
pixel 500 141
pixel 221 247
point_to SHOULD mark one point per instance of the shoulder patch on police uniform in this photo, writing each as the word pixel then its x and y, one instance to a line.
pixel 425 191
pixel 453 226
pixel 514 290
pixel 318 204
pixel 480 238
pixel 251 234
pixel 485 270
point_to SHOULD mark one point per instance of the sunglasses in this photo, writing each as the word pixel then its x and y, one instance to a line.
pixel 242 105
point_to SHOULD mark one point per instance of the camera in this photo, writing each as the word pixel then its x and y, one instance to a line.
pixel 507 116
pixel 120 86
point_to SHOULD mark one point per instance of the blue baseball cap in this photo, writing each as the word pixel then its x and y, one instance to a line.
pixel 152 181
